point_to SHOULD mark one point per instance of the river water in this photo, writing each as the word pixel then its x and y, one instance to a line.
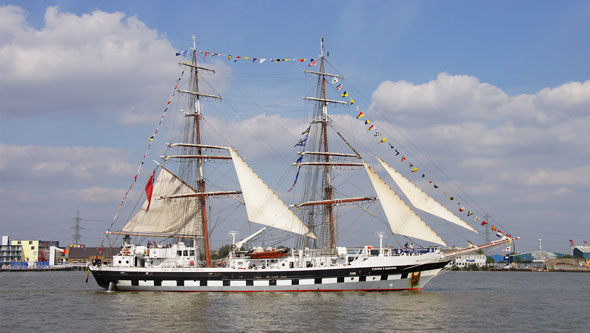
pixel 453 302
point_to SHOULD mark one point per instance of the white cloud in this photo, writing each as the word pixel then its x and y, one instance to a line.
pixel 97 64
pixel 577 176
pixel 94 195
pixel 505 151
pixel 461 98
pixel 63 164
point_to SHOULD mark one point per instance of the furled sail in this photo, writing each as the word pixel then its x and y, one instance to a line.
pixel 179 216
pixel 402 219
pixel 421 199
pixel 262 204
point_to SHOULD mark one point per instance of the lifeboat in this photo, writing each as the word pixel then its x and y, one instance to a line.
pixel 271 254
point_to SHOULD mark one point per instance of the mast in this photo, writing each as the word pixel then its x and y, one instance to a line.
pixel 327 168
pixel 200 178
pixel 192 149
pixel 317 208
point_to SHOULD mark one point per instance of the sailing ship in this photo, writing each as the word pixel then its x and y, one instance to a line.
pixel 177 210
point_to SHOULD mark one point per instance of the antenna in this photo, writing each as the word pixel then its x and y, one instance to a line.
pixel 380 235
pixel 233 235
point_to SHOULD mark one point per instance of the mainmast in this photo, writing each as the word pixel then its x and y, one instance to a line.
pixel 323 159
pixel 327 168
pixel 200 178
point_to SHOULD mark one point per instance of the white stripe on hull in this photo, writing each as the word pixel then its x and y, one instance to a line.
pixel 373 282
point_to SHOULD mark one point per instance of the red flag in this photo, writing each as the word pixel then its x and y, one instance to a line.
pixel 484 223
pixel 149 188
pixel 571 242
pixel 313 63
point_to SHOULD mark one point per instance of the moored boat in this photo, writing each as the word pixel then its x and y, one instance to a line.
pixel 176 209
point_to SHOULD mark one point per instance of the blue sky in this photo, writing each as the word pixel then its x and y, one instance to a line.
pixel 496 94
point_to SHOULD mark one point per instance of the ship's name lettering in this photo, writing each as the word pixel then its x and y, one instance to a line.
pixel 383 268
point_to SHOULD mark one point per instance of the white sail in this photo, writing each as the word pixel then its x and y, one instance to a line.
pixel 421 199
pixel 262 204
pixel 180 216
pixel 402 219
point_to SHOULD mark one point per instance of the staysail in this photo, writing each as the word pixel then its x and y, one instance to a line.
pixel 402 219
pixel 180 216
pixel 262 204
pixel 421 199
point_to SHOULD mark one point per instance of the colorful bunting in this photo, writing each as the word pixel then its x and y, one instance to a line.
pixel 302 143
pixel 344 94
pixel 182 53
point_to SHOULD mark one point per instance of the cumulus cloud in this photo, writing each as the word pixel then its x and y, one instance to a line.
pixel 530 148
pixel 94 195
pixel 460 98
pixel 61 164
pixel 96 64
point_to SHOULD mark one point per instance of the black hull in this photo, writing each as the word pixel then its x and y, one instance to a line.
pixel 249 279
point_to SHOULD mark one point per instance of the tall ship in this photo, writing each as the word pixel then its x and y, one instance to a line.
pixel 179 192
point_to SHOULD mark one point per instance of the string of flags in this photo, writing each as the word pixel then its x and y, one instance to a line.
pixel 382 139
pixel 258 60
pixel 150 141
pixel 301 143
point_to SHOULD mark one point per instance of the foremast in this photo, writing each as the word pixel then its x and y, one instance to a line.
pixel 318 210
pixel 195 117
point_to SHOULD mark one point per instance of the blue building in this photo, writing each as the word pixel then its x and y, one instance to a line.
pixel 581 252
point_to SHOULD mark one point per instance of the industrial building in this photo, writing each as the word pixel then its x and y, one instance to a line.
pixel 581 251
pixel 85 255
pixel 466 260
